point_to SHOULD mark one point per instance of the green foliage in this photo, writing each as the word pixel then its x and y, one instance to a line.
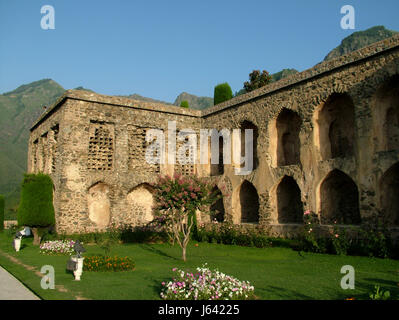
pixel 341 242
pixel 36 207
pixel 310 239
pixel 257 80
pixel 184 104
pixel 379 294
pixel 222 93
pixel 230 234
pixel 1 212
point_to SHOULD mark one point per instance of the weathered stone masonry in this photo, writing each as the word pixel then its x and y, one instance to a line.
pixel 326 140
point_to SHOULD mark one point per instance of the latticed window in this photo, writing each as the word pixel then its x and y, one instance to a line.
pixel 137 151
pixel 181 167
pixel 101 147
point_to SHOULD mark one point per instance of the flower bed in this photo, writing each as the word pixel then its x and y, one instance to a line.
pixel 105 263
pixel 206 284
pixel 58 247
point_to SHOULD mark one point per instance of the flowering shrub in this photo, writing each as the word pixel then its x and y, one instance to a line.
pixel 64 247
pixel 177 199
pixel 310 239
pixel 105 263
pixel 206 284
pixel 340 240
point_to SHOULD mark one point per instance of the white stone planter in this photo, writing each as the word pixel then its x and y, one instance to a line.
pixel 17 244
pixel 79 267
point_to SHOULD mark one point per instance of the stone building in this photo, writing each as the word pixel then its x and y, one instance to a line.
pixel 326 140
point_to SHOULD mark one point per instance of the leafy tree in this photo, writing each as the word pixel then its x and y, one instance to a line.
pixel 1 212
pixel 184 104
pixel 257 80
pixel 222 93
pixel 177 200
pixel 36 207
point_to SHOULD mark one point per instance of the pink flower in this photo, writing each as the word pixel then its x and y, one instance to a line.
pixel 337 235
pixel 306 212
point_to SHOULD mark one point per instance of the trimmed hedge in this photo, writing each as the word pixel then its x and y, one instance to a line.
pixel 1 212
pixel 222 93
pixel 36 206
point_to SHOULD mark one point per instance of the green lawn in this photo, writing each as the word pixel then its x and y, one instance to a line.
pixel 276 273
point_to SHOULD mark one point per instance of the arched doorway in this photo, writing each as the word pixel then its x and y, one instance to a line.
pixel 249 201
pixel 339 199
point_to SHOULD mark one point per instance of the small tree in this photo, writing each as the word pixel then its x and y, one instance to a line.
pixel 36 207
pixel 1 212
pixel 177 200
pixel 257 80
pixel 222 93
pixel 184 104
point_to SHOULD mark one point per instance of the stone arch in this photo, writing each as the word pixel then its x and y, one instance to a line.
pixel 289 203
pixel 288 125
pixel 246 124
pixel 99 205
pixel 389 191
pixel 217 209
pixel 140 201
pixel 249 203
pixel 339 199
pixel 386 115
pixel 335 127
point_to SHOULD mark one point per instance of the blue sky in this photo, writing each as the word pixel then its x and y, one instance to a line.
pixel 161 48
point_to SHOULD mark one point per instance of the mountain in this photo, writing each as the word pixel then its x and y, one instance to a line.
pixel 136 96
pixel 360 39
pixel 195 102
pixel 18 110
pixel 283 74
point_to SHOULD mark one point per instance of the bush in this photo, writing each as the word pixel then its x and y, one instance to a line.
pixel 206 284
pixel 1 212
pixel 222 93
pixel 106 263
pixel 58 247
pixel 36 207
pixel 184 104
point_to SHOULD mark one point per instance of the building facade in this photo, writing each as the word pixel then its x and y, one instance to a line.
pixel 325 140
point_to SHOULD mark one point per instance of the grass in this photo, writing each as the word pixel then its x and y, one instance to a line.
pixel 276 273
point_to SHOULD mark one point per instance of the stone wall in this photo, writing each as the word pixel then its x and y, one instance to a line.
pixel 326 140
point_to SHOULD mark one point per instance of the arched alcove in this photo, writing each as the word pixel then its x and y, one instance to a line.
pixel 339 198
pixel 249 125
pixel 389 195
pixel 288 125
pixel 217 209
pixel 249 203
pixel 99 204
pixel 289 204
pixel 140 201
pixel 217 169
pixel 335 122
pixel 386 115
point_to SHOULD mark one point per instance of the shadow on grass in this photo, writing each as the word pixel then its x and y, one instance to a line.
pixel 151 249
pixel 284 293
